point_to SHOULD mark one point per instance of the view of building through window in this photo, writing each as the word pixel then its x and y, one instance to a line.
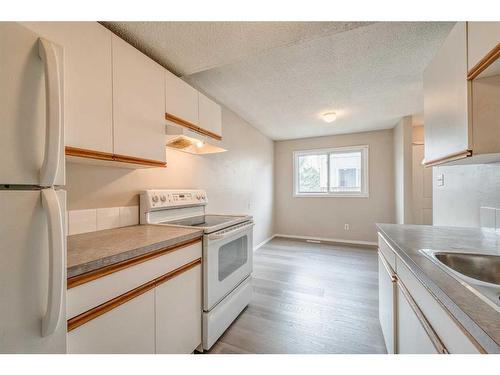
pixel 345 172
pixel 332 171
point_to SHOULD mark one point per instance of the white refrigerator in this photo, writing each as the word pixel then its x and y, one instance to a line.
pixel 32 199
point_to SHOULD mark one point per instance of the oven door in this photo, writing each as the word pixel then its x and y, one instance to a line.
pixel 227 261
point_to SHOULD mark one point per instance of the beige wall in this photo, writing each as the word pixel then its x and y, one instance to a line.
pixel 325 217
pixel 237 181
pixel 403 170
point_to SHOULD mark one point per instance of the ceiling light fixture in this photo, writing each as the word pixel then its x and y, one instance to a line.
pixel 329 117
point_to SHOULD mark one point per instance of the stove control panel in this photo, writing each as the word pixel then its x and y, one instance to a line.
pixel 152 200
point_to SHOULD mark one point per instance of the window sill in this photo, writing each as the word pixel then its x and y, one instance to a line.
pixel 319 195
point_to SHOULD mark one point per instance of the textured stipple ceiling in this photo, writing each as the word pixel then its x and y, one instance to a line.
pixel 280 76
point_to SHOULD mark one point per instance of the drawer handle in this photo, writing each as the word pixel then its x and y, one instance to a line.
pixel 394 278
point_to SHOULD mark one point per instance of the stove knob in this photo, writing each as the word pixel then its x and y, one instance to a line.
pixel 154 198
pixel 163 198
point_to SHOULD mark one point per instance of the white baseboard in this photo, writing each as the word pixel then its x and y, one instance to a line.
pixel 263 242
pixel 322 239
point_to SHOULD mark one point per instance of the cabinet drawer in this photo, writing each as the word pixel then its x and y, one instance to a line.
pixel 85 296
pixel 387 252
pixel 453 338
pixel 128 328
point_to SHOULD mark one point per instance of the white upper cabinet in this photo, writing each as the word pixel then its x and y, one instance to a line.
pixel 462 97
pixel 445 98
pixel 210 115
pixel 483 37
pixel 87 81
pixel 181 99
pixel 138 103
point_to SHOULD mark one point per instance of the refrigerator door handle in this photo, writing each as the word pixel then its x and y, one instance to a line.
pixel 53 112
pixel 50 203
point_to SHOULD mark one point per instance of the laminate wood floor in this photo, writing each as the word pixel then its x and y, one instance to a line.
pixel 309 298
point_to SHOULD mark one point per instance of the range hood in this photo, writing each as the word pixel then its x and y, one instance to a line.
pixel 181 138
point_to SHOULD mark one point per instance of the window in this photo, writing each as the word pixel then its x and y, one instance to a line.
pixel 335 172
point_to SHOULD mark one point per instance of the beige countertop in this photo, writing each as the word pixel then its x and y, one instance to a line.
pixel 476 316
pixel 91 251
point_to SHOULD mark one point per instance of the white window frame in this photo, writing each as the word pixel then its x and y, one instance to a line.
pixel 365 182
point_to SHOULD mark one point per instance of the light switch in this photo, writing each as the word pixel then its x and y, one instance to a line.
pixel 440 179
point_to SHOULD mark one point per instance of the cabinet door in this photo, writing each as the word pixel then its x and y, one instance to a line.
pixel 178 313
pixel 210 115
pixel 482 37
pixel 128 328
pixel 181 99
pixel 446 98
pixel 138 103
pixel 87 81
pixel 386 298
pixel 412 337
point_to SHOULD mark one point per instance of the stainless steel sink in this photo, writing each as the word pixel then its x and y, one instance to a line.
pixel 480 273
pixel 481 267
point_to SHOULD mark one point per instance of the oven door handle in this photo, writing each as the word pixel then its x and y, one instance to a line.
pixel 230 232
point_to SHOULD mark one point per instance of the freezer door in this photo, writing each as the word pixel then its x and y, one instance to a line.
pixel 32 274
pixel 31 108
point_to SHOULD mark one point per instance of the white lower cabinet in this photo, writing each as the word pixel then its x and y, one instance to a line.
pixel 412 338
pixel 153 306
pixel 386 299
pixel 411 318
pixel 128 328
pixel 178 313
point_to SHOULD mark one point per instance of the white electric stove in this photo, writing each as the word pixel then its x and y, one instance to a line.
pixel 227 253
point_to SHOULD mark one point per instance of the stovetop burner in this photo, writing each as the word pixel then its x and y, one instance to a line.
pixel 202 221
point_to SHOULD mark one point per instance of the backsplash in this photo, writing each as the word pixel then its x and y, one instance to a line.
pixel 91 220
pixel 489 217
pixel 463 194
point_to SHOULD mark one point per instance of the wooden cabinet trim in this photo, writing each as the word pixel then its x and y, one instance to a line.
pixel 452 157
pixel 436 341
pixel 105 307
pixel 191 126
pixel 89 154
pixel 99 155
pixel 101 272
pixel 134 160
pixel 484 63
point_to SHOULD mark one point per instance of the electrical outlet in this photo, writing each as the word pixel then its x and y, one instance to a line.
pixel 346 226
